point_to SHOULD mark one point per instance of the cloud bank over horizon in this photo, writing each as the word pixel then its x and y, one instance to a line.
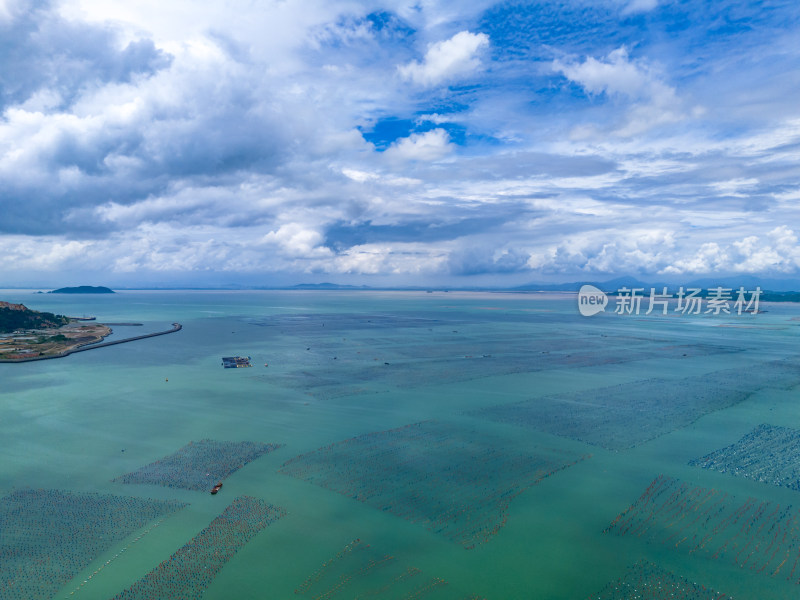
pixel 396 142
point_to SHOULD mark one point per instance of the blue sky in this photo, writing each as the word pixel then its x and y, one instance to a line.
pixel 397 143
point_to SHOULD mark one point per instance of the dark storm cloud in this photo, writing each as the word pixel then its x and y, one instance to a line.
pixel 344 235
pixel 41 51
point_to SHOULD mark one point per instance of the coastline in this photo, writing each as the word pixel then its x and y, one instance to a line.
pixel 94 345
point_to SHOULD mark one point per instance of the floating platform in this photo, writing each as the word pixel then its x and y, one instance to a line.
pixel 235 362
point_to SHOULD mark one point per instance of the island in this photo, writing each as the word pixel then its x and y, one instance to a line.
pixel 26 334
pixel 83 289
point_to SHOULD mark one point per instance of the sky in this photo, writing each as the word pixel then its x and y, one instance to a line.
pixel 394 142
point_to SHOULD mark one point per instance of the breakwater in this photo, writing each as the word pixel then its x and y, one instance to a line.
pixel 175 327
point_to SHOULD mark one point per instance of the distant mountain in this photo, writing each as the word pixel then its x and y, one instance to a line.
pixel 328 286
pixel 83 289
pixel 783 288
pixel 607 286
pixel 750 282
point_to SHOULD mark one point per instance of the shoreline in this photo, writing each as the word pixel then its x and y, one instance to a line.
pixel 93 345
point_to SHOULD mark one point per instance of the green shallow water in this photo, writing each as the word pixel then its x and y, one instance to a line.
pixel 77 423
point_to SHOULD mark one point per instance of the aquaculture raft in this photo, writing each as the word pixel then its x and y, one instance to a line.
pixel 48 536
pixel 453 480
pixel 191 570
pixel 198 465
pixel 626 415
pixel 235 362
pixel 761 536
pixel 769 454
pixel 361 571
pixel 645 580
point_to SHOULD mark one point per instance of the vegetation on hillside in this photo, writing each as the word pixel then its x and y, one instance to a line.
pixel 83 289
pixel 11 320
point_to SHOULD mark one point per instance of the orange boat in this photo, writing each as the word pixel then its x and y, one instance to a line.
pixel 216 488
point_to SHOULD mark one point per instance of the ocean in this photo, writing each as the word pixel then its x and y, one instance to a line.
pixel 429 445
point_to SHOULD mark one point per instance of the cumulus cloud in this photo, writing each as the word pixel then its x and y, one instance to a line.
pixel 608 251
pixel 777 252
pixel 429 146
pixel 653 102
pixel 296 241
pixel 447 60
pixel 239 138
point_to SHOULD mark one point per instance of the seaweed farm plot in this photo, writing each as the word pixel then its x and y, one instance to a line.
pixel 646 581
pixel 199 465
pixel 313 323
pixel 465 358
pixel 626 415
pixel 454 481
pixel 768 454
pixel 48 536
pixel 776 374
pixel 761 536
pixel 187 574
pixel 361 571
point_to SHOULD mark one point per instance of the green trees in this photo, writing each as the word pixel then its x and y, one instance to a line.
pixel 11 320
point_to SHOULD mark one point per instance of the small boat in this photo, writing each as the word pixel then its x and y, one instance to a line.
pixel 216 488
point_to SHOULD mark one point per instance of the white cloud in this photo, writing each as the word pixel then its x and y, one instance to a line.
pixel 296 241
pixel 653 102
pixel 243 150
pixel 7 9
pixel 436 118
pixel 49 255
pixel 778 253
pixel 447 60
pixel 708 258
pixel 608 251
pixel 614 75
pixel 397 259
pixel 359 176
pixel 429 146
pixel 639 6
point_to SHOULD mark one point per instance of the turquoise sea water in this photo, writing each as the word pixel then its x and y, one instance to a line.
pixel 346 364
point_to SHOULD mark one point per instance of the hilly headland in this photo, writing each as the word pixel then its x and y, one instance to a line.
pixel 26 334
